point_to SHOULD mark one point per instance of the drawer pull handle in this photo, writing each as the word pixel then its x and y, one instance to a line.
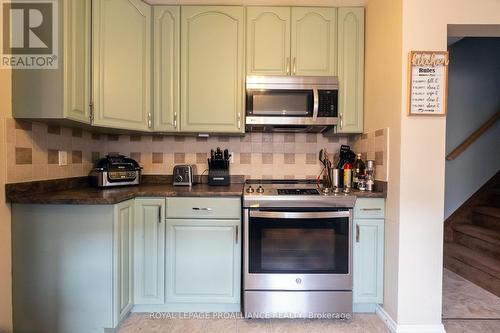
pixel 371 209
pixel 237 233
pixel 202 209
pixel 357 233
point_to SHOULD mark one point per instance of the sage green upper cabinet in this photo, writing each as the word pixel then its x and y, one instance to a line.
pixel 62 93
pixel 291 41
pixel 350 69
pixel 212 69
pixel 268 40
pixel 166 21
pixel 77 59
pixel 314 41
pixel 122 64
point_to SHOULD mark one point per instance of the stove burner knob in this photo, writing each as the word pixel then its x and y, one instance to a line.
pixel 260 190
pixel 250 189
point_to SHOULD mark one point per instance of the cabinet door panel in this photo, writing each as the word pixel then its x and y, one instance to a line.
pixel 350 69
pixel 212 69
pixel 122 63
pixel 149 249
pixel 314 41
pixel 124 217
pixel 268 40
pixel 77 59
pixel 166 67
pixel 368 261
pixel 203 263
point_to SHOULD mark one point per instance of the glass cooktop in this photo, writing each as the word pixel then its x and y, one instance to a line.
pixel 298 191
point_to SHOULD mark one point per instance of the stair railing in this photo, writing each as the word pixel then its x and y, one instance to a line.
pixel 473 137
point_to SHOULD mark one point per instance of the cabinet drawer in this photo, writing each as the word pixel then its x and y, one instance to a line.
pixel 204 208
pixel 369 208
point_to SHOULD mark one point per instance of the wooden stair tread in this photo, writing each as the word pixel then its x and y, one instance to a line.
pixel 487 210
pixel 485 234
pixel 473 258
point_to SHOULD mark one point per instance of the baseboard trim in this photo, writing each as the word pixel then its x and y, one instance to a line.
pixel 395 328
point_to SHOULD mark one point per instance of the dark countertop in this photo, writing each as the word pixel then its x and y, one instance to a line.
pixel 77 192
pixel 95 196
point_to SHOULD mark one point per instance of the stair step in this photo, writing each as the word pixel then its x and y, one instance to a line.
pixel 488 217
pixel 478 238
pixel 479 261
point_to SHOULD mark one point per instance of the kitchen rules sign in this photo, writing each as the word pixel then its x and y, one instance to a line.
pixel 428 83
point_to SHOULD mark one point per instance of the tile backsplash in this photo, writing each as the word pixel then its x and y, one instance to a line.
pixel 374 146
pixel 32 152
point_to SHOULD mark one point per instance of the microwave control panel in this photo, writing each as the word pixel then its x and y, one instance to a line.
pixel 328 101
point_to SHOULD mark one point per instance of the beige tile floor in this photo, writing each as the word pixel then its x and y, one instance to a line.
pixel 467 308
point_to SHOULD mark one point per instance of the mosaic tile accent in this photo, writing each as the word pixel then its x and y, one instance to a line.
pixel 54 129
pixel 77 132
pixel 76 157
pixel 157 158
pixel 24 155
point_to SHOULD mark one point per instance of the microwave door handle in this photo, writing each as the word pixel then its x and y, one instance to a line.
pixel 316 104
pixel 299 215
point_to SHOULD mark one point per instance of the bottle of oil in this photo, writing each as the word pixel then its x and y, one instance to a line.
pixel 358 171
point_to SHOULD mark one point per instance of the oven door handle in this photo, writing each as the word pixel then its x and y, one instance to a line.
pixel 299 215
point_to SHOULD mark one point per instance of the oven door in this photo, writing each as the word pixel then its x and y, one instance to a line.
pixel 302 250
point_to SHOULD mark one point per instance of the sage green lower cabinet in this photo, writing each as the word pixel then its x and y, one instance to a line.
pixel 203 261
pixel 368 254
pixel 71 267
pixel 149 251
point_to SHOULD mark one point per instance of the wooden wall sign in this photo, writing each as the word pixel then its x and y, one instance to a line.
pixel 428 83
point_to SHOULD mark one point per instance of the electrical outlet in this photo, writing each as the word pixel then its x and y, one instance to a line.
pixel 63 157
pixel 231 157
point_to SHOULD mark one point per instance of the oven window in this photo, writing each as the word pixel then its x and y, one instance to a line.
pixel 308 246
pixel 287 103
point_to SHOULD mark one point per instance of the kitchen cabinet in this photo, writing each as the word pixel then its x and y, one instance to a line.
pixel 212 69
pixel 368 254
pixel 291 41
pixel 204 251
pixel 72 266
pixel 62 93
pixel 122 64
pixel 166 45
pixel 350 69
pixel 123 243
pixel 149 251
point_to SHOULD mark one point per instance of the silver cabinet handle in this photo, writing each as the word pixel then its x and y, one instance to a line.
pixel 236 234
pixel 294 65
pixel 206 209
pixel 287 68
pixel 150 123
pixel 357 233
pixel 159 214
pixel 341 120
pixel 371 209
pixel 175 119
pixel 239 120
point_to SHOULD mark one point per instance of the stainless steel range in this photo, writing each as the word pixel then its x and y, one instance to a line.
pixel 297 251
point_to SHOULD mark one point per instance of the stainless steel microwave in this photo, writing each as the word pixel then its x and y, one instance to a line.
pixel 291 103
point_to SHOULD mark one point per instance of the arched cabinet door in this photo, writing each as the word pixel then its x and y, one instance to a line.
pixel 122 64
pixel 268 41
pixel 212 46
pixel 314 41
pixel 350 69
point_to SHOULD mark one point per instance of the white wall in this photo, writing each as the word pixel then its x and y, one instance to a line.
pixel 473 97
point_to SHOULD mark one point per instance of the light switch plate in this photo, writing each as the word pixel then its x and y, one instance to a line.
pixel 63 157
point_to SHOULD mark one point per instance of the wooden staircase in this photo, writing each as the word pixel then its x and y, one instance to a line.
pixel 472 238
